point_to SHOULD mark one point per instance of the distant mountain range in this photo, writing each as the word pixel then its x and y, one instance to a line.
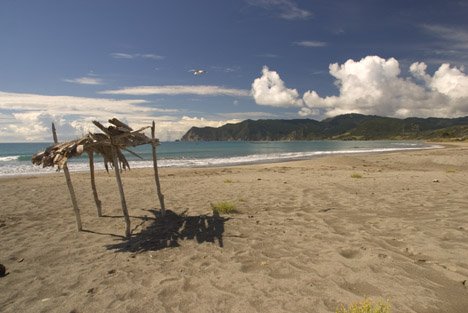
pixel 342 127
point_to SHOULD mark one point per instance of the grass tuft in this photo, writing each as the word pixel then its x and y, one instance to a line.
pixel 366 306
pixel 228 181
pixel 223 207
pixel 356 175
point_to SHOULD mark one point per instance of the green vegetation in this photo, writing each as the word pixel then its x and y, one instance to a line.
pixel 228 181
pixel 224 207
pixel 342 127
pixel 366 306
pixel 356 175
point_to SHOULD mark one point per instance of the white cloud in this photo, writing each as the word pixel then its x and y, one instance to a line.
pixel 172 129
pixel 373 85
pixel 118 55
pixel 28 116
pixel 304 112
pixel 310 44
pixel 68 104
pixel 285 9
pixel 85 81
pixel 30 125
pixel 450 81
pixel 418 70
pixel 270 90
pixel 247 115
pixel 151 56
pixel 451 44
pixel 178 90
pixel 457 37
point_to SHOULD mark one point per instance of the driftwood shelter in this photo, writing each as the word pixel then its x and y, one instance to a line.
pixel 109 144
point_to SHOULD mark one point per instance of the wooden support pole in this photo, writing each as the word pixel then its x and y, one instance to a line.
pixel 93 183
pixel 156 173
pixel 54 133
pixel 121 191
pixel 70 186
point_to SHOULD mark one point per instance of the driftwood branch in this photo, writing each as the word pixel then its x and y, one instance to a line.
pixel 121 136
pixel 131 152
pixel 118 123
pixel 109 144
pixel 156 172
pixel 121 192
pixel 76 209
pixel 93 183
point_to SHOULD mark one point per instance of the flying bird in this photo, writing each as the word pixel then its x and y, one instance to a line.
pixel 198 72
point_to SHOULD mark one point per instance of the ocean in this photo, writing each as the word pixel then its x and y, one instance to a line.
pixel 15 158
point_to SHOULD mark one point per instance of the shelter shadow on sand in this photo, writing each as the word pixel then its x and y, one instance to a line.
pixel 166 232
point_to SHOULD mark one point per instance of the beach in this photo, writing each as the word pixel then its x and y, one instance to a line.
pixel 308 236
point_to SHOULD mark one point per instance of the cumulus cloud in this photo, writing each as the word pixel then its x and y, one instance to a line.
pixel 450 81
pixel 178 90
pixel 30 125
pixel 85 81
pixel 374 85
pixel 269 89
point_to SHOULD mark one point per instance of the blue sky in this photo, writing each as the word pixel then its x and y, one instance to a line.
pixel 75 61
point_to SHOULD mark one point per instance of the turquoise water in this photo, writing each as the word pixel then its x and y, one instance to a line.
pixel 15 158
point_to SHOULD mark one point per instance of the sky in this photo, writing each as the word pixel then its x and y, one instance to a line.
pixel 71 62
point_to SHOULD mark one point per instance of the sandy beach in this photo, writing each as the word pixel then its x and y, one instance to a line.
pixel 309 236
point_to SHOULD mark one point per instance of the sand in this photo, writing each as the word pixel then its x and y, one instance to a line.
pixel 309 235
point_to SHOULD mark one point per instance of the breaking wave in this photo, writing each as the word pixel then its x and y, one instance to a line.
pixel 12 165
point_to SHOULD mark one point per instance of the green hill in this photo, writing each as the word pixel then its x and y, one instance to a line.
pixel 342 127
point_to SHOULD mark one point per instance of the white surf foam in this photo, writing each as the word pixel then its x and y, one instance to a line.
pixel 9 158
pixel 25 168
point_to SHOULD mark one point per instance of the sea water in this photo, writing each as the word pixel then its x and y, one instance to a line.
pixel 15 158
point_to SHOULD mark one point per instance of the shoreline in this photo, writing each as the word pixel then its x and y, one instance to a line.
pixel 309 235
pixel 318 154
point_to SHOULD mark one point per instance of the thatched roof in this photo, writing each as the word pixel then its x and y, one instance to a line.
pixel 119 136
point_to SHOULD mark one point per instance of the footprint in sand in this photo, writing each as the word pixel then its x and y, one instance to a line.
pixel 361 288
pixel 349 253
